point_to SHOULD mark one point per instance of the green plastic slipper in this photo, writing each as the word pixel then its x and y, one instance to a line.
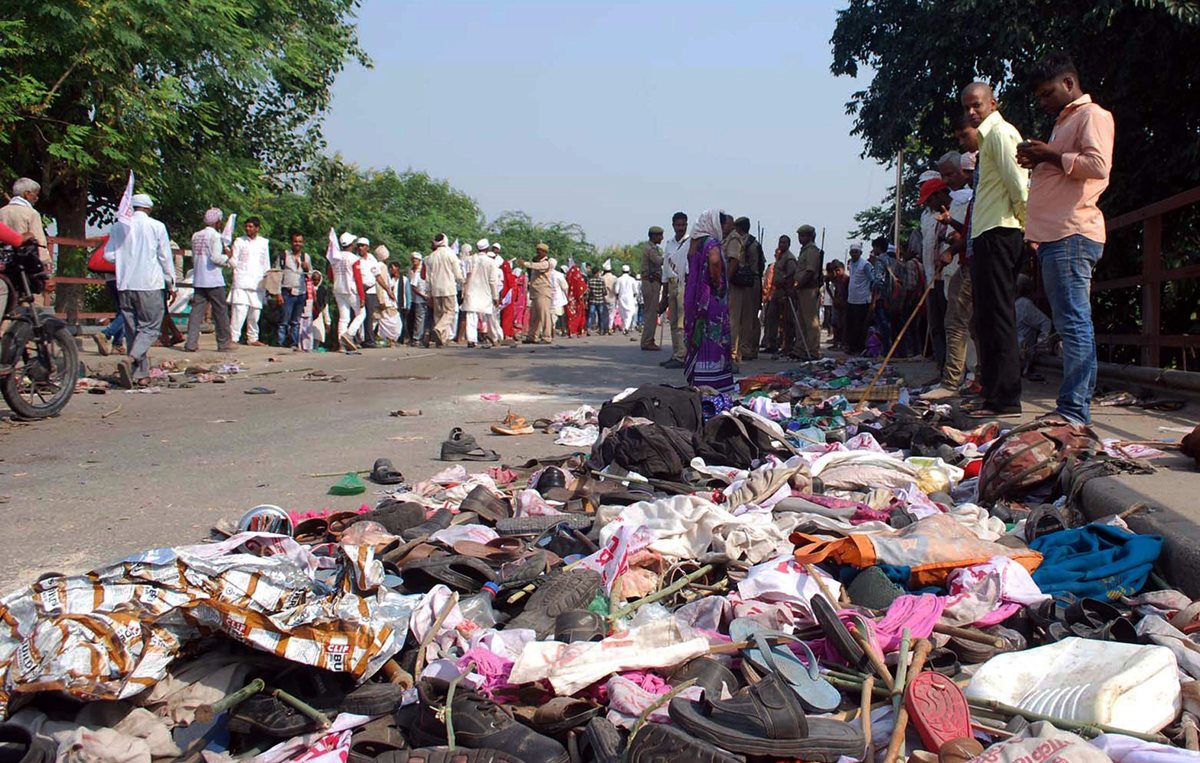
pixel 348 485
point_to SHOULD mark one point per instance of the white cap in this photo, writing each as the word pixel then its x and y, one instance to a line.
pixel 856 247
pixel 382 253
pixel 482 244
pixel 624 268
pixel 416 256
pixel 346 239
pixel 929 175
pixel 363 241
pixel 497 246
pixel 141 201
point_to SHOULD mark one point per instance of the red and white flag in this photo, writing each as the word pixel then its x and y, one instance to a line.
pixel 125 208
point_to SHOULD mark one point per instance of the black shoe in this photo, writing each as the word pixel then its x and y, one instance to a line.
pixel 478 723
pixel 672 363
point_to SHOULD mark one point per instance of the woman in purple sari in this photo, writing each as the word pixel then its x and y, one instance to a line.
pixel 706 308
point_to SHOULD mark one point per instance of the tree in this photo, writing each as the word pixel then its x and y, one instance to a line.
pixel 204 100
pixel 519 235
pixel 403 211
pixel 1135 58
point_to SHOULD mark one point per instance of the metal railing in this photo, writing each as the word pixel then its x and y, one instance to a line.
pixel 1151 340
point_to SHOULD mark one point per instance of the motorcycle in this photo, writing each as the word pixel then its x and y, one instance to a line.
pixel 39 362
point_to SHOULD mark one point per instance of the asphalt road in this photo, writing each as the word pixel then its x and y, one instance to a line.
pixel 84 488
pixel 125 471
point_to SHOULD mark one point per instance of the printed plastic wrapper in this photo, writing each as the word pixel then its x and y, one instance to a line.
pixel 112 633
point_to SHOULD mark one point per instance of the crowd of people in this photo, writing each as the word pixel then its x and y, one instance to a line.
pixel 956 289
pixel 996 208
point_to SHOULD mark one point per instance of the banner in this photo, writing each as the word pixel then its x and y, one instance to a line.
pixel 125 208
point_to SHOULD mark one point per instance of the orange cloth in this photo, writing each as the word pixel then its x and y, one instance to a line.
pixel 1062 199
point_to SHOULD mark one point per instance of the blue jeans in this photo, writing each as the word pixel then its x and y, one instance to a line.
pixel 115 330
pixel 1067 266
pixel 597 316
pixel 289 321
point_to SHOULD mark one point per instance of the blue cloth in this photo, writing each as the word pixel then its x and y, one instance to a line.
pixel 1095 561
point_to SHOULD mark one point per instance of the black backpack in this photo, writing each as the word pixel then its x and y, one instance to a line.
pixel 651 450
pixel 662 404
pixel 730 440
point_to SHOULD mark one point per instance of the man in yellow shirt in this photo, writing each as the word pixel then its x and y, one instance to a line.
pixel 994 252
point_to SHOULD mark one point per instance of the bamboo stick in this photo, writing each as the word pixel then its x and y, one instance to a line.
pixel 969 634
pixel 1079 727
pixel 874 658
pixel 680 584
pixel 303 708
pixel 865 703
pixel 205 713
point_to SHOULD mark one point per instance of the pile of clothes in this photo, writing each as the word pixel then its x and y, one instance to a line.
pixel 766 577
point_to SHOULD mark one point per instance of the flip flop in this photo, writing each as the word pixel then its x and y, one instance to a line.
pixel 311 531
pixel 474 454
pixel 459 572
pixel 497 551
pixel 837 633
pixel 938 709
pixel 385 473
pixel 815 693
pixel 512 425
pixel 259 391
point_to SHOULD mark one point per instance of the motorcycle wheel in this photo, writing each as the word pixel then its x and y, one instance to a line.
pixel 35 389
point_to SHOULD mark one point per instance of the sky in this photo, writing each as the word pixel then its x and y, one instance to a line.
pixel 613 115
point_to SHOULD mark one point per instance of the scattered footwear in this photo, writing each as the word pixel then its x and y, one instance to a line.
pixel 103 344
pixel 347 343
pixel 512 425
pixel 766 719
pixel 478 723
pixel 125 373
pixel 385 473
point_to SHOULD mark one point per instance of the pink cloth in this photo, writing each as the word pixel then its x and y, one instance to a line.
pixel 916 613
pixel 864 515
pixel 495 671
pixel 643 679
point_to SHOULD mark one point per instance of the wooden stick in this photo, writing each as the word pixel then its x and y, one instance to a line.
pixel 678 585
pixel 205 713
pixel 829 597
pixel 969 634
pixel 901 669
pixel 1191 732
pixel 1083 729
pixel 339 474
pixel 865 703
pixel 874 658
pixel 303 708
pixel 862 401
pixel 425 642
pixel 897 741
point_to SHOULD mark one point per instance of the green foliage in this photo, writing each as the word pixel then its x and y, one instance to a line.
pixel 203 99
pixel 403 211
pixel 1135 58
pixel 518 234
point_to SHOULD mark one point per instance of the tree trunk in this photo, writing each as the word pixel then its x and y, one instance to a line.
pixel 69 206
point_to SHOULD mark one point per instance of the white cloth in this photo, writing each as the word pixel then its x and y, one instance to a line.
pixel 350 313
pixel 370 268
pixel 482 288
pixel 783 579
pixel 245 316
pixel 675 258
pixel 708 224
pixel 626 290
pixel 208 254
pixel 141 250
pixel 251 260
pixel 443 273
pixel 859 273
pixel 558 291
pixel 342 265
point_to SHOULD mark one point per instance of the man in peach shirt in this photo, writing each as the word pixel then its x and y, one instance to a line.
pixel 1069 174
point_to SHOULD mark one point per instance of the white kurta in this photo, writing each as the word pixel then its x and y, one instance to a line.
pixel 251 260
pixel 482 288
pixel 558 292
pixel 626 289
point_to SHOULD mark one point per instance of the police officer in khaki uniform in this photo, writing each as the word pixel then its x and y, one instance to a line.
pixel 779 309
pixel 808 293
pixel 652 286
pixel 541 319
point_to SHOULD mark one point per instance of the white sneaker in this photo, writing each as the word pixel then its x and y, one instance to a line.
pixel 939 393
